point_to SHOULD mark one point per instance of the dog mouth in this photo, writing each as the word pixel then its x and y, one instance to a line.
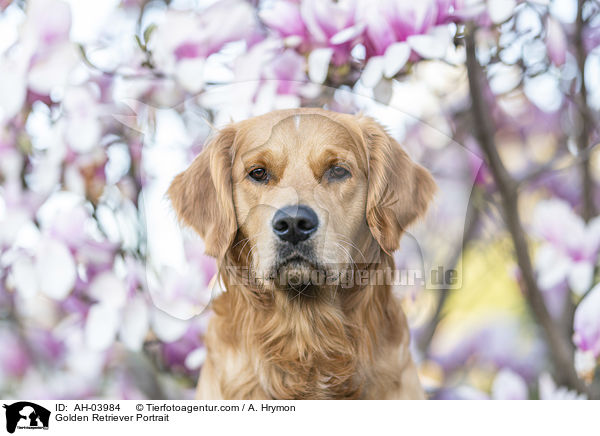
pixel 298 272
pixel 297 256
pixel 297 261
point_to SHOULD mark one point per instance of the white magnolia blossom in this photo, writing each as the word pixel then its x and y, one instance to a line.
pixel 549 391
pixel 509 385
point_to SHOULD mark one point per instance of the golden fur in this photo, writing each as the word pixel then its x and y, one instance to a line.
pixel 332 342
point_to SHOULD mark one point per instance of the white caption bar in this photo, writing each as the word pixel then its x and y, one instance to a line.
pixel 101 417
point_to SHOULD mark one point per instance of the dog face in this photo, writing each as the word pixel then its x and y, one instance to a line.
pixel 300 199
pixel 301 191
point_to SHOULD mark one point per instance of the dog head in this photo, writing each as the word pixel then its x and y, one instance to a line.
pixel 301 191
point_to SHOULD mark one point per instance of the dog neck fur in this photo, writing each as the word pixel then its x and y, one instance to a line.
pixel 319 348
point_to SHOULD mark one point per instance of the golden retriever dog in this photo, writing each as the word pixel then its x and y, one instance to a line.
pixel 289 203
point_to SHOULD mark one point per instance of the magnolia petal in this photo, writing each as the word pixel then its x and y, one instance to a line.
pixel 55 269
pixel 373 72
pixel 13 89
pixel 545 257
pixel 195 359
pixel 556 42
pixel 550 218
pixel 549 391
pixel 501 10
pixel 53 69
pixel 23 277
pixel 310 11
pixel 509 385
pixel 546 386
pixel 592 237
pixel 190 74
pixel 433 45
pixel 49 20
pixel 580 277
pixel 166 327
pixel 318 64
pixel 134 327
pixel 101 326
pixel 83 134
pixel 285 18
pixel 292 41
pixel 395 58
pixel 383 91
pixel 585 364
pixel 12 224
pixel 586 323
pixel 555 272
pixel 347 34
pixel 108 289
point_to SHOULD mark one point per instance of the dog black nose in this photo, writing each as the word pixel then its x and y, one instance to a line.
pixel 295 223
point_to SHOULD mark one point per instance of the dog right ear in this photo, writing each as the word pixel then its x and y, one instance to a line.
pixel 202 194
pixel 399 190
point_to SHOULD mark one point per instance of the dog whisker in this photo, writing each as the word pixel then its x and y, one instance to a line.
pixel 343 239
pixel 250 252
pixel 246 243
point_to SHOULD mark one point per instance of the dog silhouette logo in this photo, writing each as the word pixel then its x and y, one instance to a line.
pixel 26 415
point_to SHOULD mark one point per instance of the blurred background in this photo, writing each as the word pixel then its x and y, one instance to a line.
pixel 103 295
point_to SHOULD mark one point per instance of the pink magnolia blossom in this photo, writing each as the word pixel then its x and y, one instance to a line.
pixel 326 29
pixel 183 39
pixel 591 36
pixel 42 59
pixel 47 267
pixel 4 4
pixel 398 31
pixel 287 70
pixel 178 354
pixel 333 25
pixel 14 358
pixel 179 295
pixel 52 56
pixel 83 128
pixel 586 324
pixel 556 42
pixel 120 308
pixel 46 343
pixel 392 21
pixel 285 18
pixel 569 249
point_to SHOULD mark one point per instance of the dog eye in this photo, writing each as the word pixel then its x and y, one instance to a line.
pixel 337 172
pixel 259 174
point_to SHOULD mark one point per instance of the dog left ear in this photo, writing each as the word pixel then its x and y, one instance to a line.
pixel 399 190
pixel 202 194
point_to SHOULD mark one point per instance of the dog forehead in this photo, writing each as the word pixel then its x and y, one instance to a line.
pixel 301 132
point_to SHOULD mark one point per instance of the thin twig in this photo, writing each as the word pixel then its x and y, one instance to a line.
pixel 149 74
pixel 550 169
pixel 586 118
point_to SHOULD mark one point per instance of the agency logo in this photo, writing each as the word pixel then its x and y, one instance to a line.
pixel 26 415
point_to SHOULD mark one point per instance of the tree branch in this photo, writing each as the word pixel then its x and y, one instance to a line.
pixel 560 347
